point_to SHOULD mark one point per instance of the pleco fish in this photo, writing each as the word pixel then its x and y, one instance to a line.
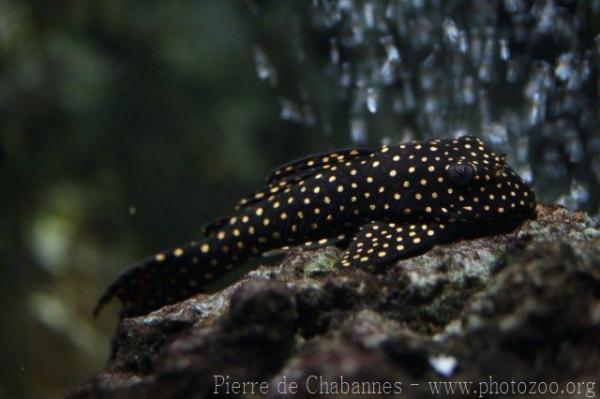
pixel 380 205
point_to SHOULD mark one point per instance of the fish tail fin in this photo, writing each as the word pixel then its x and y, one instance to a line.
pixel 103 301
pixel 167 277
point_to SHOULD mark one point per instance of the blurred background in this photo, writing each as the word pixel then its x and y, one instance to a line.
pixel 124 126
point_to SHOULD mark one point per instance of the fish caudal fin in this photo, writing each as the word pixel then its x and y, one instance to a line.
pixel 165 278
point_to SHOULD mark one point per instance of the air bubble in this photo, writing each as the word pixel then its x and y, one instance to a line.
pixel 451 32
pixel 372 99
pixel 358 130
pixel 504 50
pixel 264 69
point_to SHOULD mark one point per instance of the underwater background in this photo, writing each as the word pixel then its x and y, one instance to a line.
pixel 125 126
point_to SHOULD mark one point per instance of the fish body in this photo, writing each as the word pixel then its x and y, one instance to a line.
pixel 380 205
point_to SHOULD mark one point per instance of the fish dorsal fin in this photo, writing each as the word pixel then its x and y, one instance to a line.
pixel 379 243
pixel 315 162
pixel 272 189
pixel 299 170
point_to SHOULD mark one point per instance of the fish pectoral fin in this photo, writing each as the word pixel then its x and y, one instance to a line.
pixel 315 162
pixel 310 245
pixel 379 243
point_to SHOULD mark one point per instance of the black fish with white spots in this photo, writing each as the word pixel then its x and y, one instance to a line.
pixel 380 205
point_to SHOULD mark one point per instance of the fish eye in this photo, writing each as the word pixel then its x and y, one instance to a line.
pixel 461 173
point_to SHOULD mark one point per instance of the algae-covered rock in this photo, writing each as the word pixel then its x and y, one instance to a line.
pixel 524 306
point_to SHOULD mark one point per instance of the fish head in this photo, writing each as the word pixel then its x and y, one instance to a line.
pixel 480 185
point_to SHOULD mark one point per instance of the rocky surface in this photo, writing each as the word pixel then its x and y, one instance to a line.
pixel 523 306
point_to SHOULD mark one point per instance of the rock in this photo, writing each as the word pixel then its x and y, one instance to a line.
pixel 523 306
